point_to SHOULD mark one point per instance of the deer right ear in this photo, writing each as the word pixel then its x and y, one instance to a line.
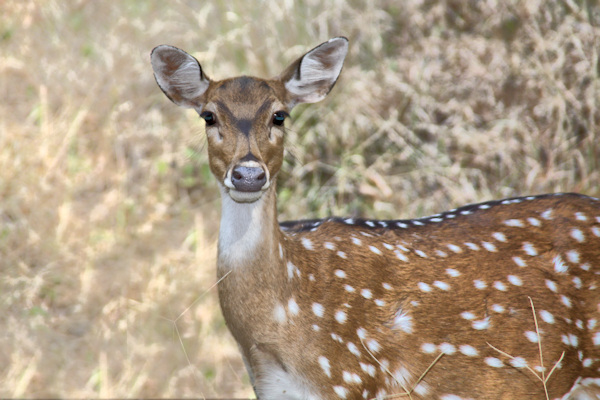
pixel 310 78
pixel 179 75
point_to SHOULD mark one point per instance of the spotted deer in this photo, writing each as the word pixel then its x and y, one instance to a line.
pixel 497 300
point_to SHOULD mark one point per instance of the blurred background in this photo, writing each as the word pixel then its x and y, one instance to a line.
pixel 108 212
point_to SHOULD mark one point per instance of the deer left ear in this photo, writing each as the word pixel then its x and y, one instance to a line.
pixel 310 78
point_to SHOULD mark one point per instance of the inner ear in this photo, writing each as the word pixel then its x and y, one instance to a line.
pixel 310 78
pixel 179 75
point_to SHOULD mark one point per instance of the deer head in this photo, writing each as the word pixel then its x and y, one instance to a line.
pixel 245 115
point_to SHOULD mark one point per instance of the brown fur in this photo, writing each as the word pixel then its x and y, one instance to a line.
pixel 380 300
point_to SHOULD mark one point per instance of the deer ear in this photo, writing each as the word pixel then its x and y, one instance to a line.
pixel 310 78
pixel 179 75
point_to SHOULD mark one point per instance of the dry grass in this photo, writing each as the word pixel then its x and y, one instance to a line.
pixel 108 212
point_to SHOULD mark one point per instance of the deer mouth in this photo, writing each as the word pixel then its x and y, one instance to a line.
pixel 244 197
pixel 246 182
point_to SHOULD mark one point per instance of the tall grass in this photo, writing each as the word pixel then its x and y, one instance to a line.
pixel 107 207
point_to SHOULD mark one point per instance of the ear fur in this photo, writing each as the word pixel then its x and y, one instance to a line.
pixel 310 78
pixel 179 75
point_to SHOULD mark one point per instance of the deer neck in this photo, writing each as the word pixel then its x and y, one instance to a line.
pixel 249 234
pixel 250 269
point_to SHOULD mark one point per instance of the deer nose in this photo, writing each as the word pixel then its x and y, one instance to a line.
pixel 248 179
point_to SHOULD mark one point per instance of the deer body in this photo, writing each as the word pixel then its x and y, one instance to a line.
pixel 435 308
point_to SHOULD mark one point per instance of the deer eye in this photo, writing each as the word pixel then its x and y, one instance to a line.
pixel 209 118
pixel 279 117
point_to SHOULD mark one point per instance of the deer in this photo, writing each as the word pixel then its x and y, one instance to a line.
pixel 495 300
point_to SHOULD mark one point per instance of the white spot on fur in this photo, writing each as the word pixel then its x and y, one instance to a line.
pixel 479 284
pixel 428 348
pixel 341 391
pixel 368 369
pixel 573 256
pixel 308 245
pixel 447 348
pixel 451 396
pixel 402 376
pixel 441 285
pixel 292 269
pixel 578 235
pixel 515 280
pixel 559 265
pixel 400 256
pixel 420 253
pixel 340 316
pixel 534 221
pixel 293 307
pixel 421 389
pixel 468 350
pixel 531 336
pixel 361 333
pixel 469 316
pixel 529 249
pixel 500 286
pixel 373 345
pixel 279 313
pixel 453 273
pixel 547 317
pixel 341 254
pixel 329 245
pixel 318 310
pixel 585 266
pixel 551 285
pixel 353 349
pixel 350 377
pixel 472 246
pixel 499 236
pixel 482 324
pixel 547 215
pixel 596 231
pixel 339 273
pixel 348 288
pixel 566 301
pixel 337 338
pixel 375 250
pixel 570 340
pixel 366 293
pixel 494 362
pixel 402 321
pixel 454 248
pixel 386 286
pixel 580 216
pixel 424 287
pixel 498 308
pixel 514 222
pixel 356 241
pixel 518 362
pixel 519 261
pixel 489 247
